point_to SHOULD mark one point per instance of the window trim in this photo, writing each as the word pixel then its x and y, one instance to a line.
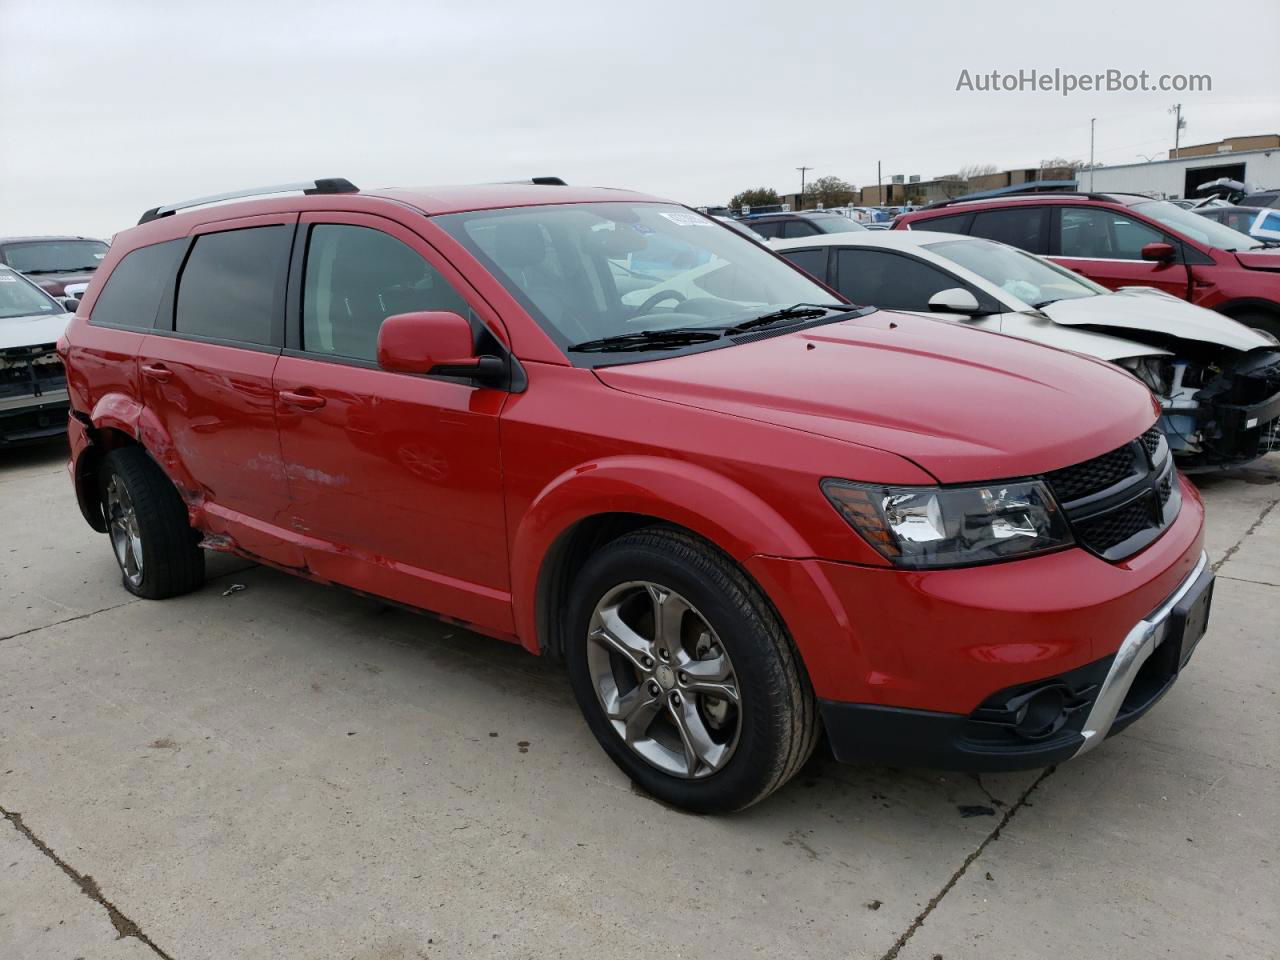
pixel 169 299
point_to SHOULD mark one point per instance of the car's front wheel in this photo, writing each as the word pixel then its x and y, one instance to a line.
pixel 157 550
pixel 685 674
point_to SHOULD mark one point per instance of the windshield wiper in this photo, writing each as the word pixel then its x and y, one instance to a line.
pixel 797 311
pixel 648 340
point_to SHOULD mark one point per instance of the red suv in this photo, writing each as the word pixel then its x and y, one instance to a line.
pixel 1122 240
pixel 614 431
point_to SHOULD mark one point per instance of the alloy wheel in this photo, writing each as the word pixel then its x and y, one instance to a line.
pixel 126 539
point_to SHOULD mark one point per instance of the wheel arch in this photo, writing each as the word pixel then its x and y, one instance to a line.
pixel 587 507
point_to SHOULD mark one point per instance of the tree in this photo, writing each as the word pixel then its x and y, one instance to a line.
pixel 759 197
pixel 829 191
pixel 1060 168
pixel 971 171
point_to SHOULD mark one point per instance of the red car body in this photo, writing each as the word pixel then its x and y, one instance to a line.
pixel 472 502
pixel 1243 284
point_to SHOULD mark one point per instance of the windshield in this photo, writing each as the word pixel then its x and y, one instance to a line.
pixel 22 298
pixel 1030 279
pixel 837 224
pixel 594 270
pixel 55 256
pixel 1198 228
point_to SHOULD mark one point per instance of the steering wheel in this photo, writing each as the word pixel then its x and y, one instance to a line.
pixel 657 298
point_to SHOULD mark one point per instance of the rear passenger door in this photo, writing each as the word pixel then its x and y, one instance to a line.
pixel 395 477
pixel 1106 246
pixel 206 377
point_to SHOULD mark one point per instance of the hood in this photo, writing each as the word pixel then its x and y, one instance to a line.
pixel 1140 308
pixel 1265 259
pixel 964 404
pixel 55 283
pixel 32 331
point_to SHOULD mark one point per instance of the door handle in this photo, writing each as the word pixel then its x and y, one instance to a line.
pixel 303 401
pixel 157 371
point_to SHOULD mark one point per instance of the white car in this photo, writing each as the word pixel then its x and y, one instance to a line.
pixel 33 386
pixel 1217 380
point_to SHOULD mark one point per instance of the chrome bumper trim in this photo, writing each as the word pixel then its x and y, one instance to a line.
pixel 29 401
pixel 1138 645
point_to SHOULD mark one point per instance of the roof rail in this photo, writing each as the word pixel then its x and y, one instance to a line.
pixel 1017 194
pixel 321 185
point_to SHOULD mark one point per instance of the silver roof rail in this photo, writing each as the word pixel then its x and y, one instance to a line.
pixel 322 185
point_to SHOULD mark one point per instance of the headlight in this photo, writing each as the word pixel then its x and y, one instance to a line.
pixel 923 527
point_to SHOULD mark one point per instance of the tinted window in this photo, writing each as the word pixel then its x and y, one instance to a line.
pixel 798 228
pixel 766 228
pixel 1104 235
pixel 132 294
pixel 231 284
pixel 55 256
pixel 1018 227
pixel 955 223
pixel 356 278
pixel 878 279
pixel 812 261
pixel 1238 221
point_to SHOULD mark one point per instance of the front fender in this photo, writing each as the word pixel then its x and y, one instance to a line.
pixel 707 503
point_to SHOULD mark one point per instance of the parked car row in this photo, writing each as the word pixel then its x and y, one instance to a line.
pixel 743 510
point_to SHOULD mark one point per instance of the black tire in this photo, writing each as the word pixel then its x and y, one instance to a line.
pixel 778 721
pixel 1260 320
pixel 172 561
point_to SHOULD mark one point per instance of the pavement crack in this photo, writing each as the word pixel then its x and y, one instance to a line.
pixel 918 922
pixel 1260 583
pixel 1231 550
pixel 58 623
pixel 88 886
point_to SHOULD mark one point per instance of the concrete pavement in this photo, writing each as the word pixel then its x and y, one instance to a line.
pixel 290 771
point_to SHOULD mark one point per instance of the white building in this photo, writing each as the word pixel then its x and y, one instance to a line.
pixel 1168 179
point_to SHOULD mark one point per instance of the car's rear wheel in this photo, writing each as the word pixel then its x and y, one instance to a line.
pixel 157 550
pixel 685 674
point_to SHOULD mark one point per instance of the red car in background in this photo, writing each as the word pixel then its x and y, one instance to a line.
pixel 1126 240
pixel 53 262
pixel 609 429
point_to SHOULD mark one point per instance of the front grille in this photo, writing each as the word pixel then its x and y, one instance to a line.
pixel 1093 476
pixel 1119 502
pixel 1114 528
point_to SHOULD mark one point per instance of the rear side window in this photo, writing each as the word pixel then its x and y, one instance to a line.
pixel 812 261
pixel 134 288
pixel 955 223
pixel 356 277
pixel 1018 227
pixel 232 286
pixel 878 279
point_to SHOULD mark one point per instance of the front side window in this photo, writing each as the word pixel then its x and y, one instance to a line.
pixel 22 298
pixel 596 270
pixel 134 288
pixel 1018 226
pixel 55 256
pixel 812 260
pixel 1100 234
pixel 1032 280
pixel 889 280
pixel 355 278
pixel 1192 225
pixel 767 228
pixel 798 228
pixel 231 287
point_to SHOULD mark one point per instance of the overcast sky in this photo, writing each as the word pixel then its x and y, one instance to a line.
pixel 107 108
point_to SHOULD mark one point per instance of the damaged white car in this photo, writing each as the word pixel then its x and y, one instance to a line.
pixel 1217 380
pixel 33 386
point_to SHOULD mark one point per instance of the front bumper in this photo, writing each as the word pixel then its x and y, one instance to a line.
pixel 1040 723
pixel 27 418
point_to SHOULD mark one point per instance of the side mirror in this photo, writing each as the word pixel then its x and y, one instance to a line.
pixel 954 300
pixel 1158 252
pixel 70 303
pixel 433 342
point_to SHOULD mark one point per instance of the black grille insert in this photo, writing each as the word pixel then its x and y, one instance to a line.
pixel 1093 476
pixel 1116 526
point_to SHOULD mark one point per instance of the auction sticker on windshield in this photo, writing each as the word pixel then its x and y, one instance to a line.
pixel 687 219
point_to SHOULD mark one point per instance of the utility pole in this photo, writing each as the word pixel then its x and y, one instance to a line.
pixel 879 185
pixel 1178 125
pixel 800 205
pixel 1092 120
